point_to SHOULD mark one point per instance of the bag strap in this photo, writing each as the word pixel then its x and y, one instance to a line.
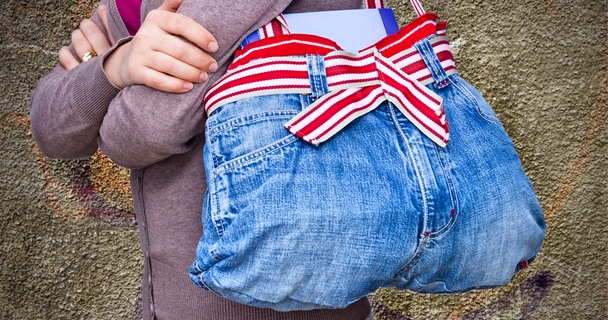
pixel 417 7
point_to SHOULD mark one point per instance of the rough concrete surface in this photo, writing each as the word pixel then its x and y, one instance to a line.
pixel 68 243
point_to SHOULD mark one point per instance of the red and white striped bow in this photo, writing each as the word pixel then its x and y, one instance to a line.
pixel 359 83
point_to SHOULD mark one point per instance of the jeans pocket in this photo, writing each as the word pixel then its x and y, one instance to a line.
pixel 248 129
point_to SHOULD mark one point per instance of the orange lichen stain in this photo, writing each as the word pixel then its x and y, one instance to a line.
pixel 551 7
pixel 56 194
pixel 598 121
pixel 23 121
pixel 8 119
pixel 111 181
pixel 475 301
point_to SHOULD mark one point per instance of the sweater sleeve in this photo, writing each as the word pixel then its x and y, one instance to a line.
pixel 68 107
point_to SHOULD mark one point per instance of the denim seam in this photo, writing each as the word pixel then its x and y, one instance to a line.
pixel 421 184
pixel 311 77
pixel 304 101
pixel 218 224
pixel 318 85
pixel 434 234
pixel 202 282
pixel 439 234
pixel 422 239
pixel 216 257
pixel 209 145
pixel 213 152
pixel 323 76
pixel 240 294
pixel 423 245
pixel 474 101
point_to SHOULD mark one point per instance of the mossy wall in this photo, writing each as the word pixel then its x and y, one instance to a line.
pixel 68 243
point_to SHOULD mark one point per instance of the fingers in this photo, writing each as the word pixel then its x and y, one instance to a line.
pixel 175 58
pixel 89 38
pixel 159 34
pixel 103 15
pixel 163 81
pixel 80 43
pixel 67 59
pixel 127 66
pixel 181 25
pixel 94 36
pixel 177 68
pixel 158 57
pixel 186 53
pixel 171 5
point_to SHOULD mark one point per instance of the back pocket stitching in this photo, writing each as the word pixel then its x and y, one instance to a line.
pixel 256 154
pixel 232 123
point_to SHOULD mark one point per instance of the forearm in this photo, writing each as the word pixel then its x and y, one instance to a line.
pixel 67 109
pixel 69 103
pixel 144 125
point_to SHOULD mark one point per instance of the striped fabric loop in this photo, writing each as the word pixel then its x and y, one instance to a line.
pixel 377 4
pixel 276 27
pixel 442 27
pixel 358 84
pixel 373 4
pixel 268 67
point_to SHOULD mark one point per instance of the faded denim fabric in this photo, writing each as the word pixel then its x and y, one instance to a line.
pixel 290 226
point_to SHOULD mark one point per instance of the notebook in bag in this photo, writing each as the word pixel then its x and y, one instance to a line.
pixel 351 29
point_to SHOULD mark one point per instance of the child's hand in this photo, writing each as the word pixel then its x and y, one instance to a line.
pixel 159 58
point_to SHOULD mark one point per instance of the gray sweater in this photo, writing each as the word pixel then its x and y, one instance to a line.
pixel 160 136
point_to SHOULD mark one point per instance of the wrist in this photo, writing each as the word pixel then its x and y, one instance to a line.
pixel 112 66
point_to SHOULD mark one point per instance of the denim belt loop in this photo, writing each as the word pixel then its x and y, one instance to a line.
pixel 428 55
pixel 316 75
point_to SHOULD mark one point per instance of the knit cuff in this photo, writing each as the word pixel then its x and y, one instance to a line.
pixel 92 92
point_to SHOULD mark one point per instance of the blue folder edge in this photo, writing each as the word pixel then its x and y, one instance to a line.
pixel 390 23
pixel 386 15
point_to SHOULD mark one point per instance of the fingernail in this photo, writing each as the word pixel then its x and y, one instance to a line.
pixel 212 67
pixel 102 7
pixel 188 85
pixel 213 46
pixel 203 76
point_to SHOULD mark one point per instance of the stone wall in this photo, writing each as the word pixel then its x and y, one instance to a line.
pixel 68 243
